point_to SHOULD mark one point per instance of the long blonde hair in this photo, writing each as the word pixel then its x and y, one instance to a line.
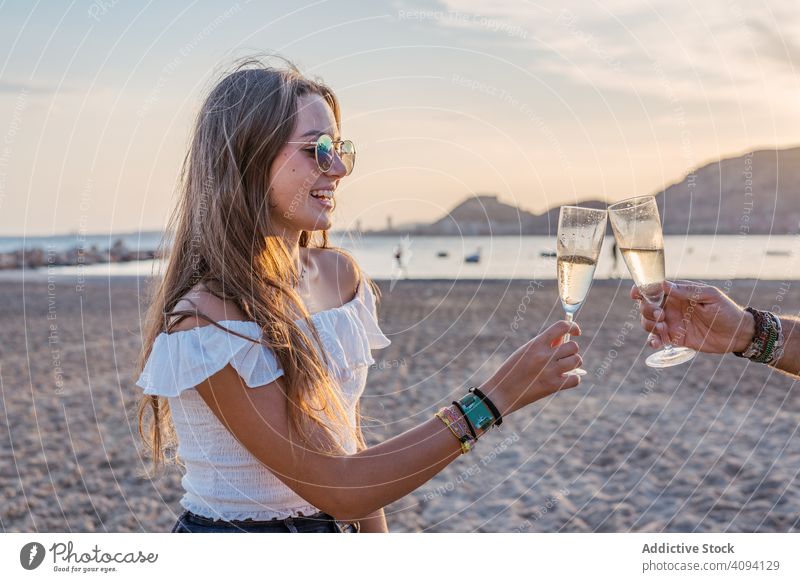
pixel 221 228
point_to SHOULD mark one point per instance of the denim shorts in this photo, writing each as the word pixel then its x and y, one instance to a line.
pixel 321 522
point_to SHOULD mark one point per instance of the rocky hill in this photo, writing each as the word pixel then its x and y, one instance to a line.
pixel 756 193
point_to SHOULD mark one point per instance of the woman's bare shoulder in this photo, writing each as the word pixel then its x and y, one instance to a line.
pixel 340 268
pixel 201 301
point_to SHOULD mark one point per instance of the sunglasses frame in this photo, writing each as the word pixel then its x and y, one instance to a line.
pixel 337 147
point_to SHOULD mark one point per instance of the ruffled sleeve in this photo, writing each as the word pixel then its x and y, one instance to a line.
pixel 368 314
pixel 183 359
pixel 350 332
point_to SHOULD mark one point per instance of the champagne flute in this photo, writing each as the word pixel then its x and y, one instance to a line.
pixel 580 238
pixel 637 228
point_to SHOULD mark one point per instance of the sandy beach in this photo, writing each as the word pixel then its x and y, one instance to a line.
pixel 712 446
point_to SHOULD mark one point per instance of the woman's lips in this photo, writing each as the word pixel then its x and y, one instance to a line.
pixel 323 197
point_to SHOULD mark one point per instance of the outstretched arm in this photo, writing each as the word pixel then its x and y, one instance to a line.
pixel 375 522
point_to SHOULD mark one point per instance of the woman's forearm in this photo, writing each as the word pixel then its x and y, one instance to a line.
pixel 375 477
pixel 379 475
pixel 356 485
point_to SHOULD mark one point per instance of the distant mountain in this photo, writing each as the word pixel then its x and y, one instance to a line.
pixel 484 214
pixel 756 193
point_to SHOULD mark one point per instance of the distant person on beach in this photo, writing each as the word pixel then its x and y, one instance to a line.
pixel 703 318
pixel 258 338
pixel 401 266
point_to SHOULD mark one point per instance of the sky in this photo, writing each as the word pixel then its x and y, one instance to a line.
pixel 540 103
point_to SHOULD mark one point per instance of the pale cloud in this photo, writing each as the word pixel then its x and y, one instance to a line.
pixel 8 86
pixel 712 51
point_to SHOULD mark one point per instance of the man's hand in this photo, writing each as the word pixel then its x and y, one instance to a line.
pixel 697 316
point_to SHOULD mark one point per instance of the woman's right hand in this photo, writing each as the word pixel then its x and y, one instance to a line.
pixel 535 370
pixel 697 316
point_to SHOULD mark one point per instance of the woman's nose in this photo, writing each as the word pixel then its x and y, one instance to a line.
pixel 337 168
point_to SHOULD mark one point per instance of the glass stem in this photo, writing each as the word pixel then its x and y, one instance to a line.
pixel 665 341
pixel 570 317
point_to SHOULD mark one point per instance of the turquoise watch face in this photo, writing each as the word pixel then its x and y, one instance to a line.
pixel 484 423
pixel 477 412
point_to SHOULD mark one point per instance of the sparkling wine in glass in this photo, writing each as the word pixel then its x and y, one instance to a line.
pixel 637 228
pixel 580 239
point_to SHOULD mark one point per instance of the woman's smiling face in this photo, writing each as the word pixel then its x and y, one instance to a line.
pixel 301 196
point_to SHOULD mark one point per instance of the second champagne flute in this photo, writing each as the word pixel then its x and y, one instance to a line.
pixel 637 228
pixel 580 238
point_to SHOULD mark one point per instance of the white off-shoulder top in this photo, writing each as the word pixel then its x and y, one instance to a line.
pixel 223 480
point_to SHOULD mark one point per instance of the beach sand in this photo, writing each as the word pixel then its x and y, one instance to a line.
pixel 710 446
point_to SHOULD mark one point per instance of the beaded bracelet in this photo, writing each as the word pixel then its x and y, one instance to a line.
pixel 771 339
pixel 767 344
pixel 760 335
pixel 774 350
pixel 466 418
pixel 458 421
pixel 466 441
pixel 779 345
pixel 462 417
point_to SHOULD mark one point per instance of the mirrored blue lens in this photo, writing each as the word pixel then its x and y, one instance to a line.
pixel 325 152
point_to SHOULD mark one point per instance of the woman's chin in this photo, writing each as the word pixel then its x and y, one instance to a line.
pixel 316 221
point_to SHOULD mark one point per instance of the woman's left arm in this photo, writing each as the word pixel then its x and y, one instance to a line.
pixel 375 522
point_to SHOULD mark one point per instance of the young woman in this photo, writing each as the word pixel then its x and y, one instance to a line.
pixel 257 344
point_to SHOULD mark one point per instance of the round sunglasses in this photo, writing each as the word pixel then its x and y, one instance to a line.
pixel 324 149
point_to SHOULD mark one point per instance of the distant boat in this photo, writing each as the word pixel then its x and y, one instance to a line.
pixel 474 257
pixel 551 254
pixel 442 254
pixel 779 253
